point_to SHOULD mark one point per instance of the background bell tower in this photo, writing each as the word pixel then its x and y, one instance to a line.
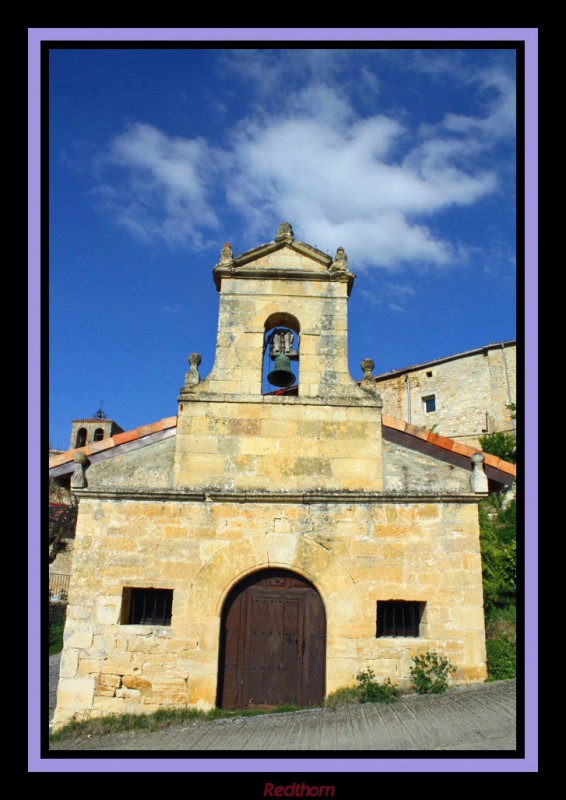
pixel 92 429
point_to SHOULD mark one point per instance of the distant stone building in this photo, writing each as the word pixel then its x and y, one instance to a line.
pixel 279 533
pixel 93 429
pixel 463 396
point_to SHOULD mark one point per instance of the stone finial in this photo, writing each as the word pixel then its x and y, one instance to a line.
pixel 367 366
pixel 368 381
pixel 479 478
pixel 192 376
pixel 78 478
pixel 285 231
pixel 340 263
pixel 226 254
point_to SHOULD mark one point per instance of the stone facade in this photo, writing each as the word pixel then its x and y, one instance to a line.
pixel 356 553
pixel 247 482
pixel 471 392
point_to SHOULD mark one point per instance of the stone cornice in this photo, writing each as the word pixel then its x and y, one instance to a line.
pixel 281 273
pixel 308 498
pixel 346 401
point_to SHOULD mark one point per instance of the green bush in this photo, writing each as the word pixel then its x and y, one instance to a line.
pixel 500 444
pixel 371 691
pixel 56 627
pixel 501 643
pixel 501 659
pixel 430 673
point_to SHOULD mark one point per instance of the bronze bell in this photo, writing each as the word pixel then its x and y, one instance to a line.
pixel 281 375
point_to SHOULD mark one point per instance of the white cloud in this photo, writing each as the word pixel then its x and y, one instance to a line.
pixel 163 190
pixel 370 184
pixel 400 289
pixel 500 108
pixel 384 295
pixel 370 80
pixel 337 176
pixel 271 72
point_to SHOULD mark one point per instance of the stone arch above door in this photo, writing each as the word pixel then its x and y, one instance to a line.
pixel 243 557
pixel 291 551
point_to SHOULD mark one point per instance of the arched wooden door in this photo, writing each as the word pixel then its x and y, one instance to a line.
pixel 273 642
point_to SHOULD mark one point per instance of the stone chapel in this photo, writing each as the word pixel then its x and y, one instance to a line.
pixel 279 533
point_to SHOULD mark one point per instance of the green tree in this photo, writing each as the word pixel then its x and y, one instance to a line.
pixel 502 444
pixel 498 550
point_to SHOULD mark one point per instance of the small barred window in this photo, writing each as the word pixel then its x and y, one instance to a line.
pixel 146 606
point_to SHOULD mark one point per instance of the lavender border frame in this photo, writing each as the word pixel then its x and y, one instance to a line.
pixel 530 762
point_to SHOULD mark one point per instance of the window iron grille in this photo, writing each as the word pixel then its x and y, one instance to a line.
pixel 148 606
pixel 398 618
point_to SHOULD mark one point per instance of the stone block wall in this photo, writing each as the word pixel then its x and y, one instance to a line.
pixel 278 443
pixel 355 553
pixel 471 394
pixel 413 472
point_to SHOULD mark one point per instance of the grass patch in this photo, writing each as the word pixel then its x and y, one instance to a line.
pixel 164 718
pixel 501 643
pixel 368 690
pixel 343 697
pixel 56 627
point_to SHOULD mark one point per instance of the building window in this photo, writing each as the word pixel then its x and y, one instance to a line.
pixel 429 374
pixel 429 404
pixel 81 437
pixel 98 435
pixel 399 618
pixel 146 606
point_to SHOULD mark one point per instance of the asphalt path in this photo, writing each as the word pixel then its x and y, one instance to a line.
pixel 477 717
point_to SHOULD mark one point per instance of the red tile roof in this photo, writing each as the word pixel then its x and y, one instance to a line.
pixel 113 441
pixel 390 422
pixel 448 444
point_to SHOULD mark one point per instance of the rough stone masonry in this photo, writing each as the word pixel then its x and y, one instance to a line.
pixel 202 542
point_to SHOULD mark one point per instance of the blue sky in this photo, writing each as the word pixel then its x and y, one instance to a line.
pixel 406 158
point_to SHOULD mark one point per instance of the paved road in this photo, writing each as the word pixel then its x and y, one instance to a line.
pixel 480 717
pixel 54 665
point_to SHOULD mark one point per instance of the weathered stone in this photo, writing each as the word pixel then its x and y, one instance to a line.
pixel 76 637
pixel 479 478
pixel 108 681
pixel 69 662
pixel 303 482
pixel 78 478
pixel 75 693
pixel 127 693
pixel 141 684
pixel 472 390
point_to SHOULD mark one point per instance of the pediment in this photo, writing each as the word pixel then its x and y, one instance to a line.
pixel 284 257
